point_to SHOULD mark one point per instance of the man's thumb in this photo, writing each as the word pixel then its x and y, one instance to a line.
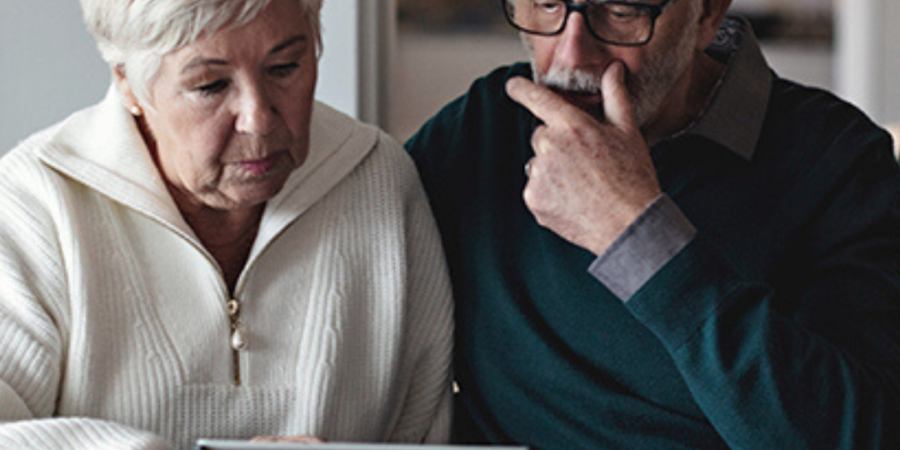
pixel 617 105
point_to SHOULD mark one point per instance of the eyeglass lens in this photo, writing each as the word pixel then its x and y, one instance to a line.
pixel 616 22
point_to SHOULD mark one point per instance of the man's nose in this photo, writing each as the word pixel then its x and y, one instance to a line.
pixel 577 47
pixel 257 114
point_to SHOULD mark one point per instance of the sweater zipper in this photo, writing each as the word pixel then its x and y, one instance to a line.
pixel 238 337
pixel 238 341
pixel 233 306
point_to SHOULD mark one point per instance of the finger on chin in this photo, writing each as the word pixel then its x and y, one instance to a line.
pixel 616 102
pixel 518 88
pixel 539 140
pixel 545 104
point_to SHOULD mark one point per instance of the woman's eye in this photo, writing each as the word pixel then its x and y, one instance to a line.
pixel 283 70
pixel 212 88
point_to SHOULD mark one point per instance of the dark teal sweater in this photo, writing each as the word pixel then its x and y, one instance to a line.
pixel 777 327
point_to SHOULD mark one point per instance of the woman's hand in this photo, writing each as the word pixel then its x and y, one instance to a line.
pixel 301 439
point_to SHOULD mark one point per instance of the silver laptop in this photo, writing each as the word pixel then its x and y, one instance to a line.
pixel 216 444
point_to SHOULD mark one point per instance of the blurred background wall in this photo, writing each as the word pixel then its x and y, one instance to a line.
pixel 49 66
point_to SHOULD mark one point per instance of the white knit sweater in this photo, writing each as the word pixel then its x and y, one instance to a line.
pixel 113 318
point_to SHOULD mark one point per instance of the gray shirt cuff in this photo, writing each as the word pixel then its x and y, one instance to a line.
pixel 657 235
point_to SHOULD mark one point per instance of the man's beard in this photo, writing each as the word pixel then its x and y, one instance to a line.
pixel 647 88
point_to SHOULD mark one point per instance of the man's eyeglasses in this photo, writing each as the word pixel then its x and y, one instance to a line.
pixel 611 21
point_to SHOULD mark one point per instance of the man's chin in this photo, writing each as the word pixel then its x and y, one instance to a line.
pixel 589 103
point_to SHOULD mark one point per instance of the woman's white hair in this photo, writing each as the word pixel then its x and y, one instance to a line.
pixel 134 35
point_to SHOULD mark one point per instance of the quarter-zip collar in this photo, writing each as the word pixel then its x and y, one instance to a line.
pixel 102 148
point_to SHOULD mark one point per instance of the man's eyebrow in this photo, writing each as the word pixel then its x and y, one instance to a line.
pixel 201 61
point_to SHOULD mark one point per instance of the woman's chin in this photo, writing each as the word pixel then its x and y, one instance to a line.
pixel 255 194
pixel 244 193
pixel 258 184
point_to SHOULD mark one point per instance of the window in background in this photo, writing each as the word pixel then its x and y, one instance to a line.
pixel 805 22
pixel 442 46
pixel 449 15
pixel 797 37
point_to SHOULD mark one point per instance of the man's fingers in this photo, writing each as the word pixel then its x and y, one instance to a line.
pixel 539 140
pixel 543 102
pixel 617 105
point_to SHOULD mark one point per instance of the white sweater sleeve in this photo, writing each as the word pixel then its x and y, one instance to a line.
pixel 76 434
pixel 34 323
pixel 427 411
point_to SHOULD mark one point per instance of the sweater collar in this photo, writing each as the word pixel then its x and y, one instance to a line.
pixel 102 148
pixel 736 110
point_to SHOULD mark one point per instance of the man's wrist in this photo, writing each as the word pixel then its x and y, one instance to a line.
pixel 650 242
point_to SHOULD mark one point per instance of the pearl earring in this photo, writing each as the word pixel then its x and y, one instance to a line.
pixel 135 110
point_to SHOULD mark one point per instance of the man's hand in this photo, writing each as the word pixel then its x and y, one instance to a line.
pixel 588 180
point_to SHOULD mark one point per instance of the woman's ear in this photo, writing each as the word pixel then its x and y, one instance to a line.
pixel 131 102
pixel 711 17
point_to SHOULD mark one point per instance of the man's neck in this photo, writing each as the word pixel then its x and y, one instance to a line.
pixel 686 101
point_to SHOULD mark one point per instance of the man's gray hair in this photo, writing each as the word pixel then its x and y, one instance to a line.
pixel 135 34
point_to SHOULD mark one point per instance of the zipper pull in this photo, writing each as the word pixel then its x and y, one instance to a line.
pixel 238 342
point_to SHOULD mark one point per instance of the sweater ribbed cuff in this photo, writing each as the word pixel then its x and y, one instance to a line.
pixel 651 241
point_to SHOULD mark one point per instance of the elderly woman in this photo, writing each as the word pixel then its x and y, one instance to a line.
pixel 210 253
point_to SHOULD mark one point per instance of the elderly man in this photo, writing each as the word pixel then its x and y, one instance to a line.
pixel 699 254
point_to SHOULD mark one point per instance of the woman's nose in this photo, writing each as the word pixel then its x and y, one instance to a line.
pixel 257 114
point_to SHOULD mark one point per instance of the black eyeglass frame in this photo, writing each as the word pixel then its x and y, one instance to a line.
pixel 654 11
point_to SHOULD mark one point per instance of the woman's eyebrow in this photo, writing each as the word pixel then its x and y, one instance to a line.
pixel 288 43
pixel 201 61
